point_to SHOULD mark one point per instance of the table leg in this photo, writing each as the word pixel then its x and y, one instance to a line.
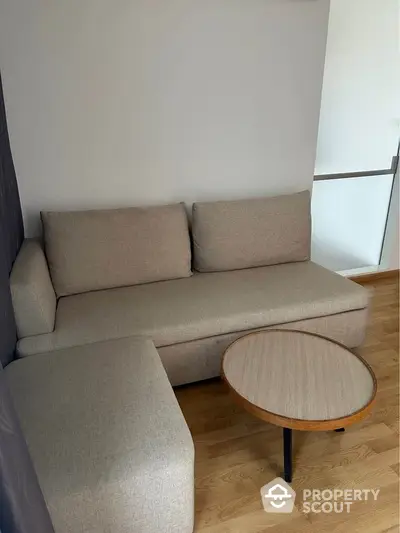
pixel 339 430
pixel 287 454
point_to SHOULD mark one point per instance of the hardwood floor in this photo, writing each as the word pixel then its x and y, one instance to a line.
pixel 236 454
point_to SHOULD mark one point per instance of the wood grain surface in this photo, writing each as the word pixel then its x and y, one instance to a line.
pixel 299 380
pixel 372 277
pixel 237 453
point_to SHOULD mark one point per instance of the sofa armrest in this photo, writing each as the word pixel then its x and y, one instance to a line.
pixel 32 292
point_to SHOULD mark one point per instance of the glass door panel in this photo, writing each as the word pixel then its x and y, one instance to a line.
pixel 349 218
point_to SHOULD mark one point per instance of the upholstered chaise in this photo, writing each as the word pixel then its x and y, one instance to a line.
pixel 108 440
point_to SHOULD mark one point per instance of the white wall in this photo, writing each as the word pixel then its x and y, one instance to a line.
pixel 127 102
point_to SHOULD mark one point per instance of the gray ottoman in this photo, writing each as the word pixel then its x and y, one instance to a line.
pixel 108 440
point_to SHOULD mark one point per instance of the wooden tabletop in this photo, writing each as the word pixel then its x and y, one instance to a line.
pixel 299 380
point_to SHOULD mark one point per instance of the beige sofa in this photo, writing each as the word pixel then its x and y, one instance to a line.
pixel 120 273
pixel 117 274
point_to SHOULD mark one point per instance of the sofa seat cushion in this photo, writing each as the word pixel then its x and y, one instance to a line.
pixel 200 359
pixel 108 440
pixel 202 306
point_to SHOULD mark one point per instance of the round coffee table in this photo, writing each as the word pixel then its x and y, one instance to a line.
pixel 298 380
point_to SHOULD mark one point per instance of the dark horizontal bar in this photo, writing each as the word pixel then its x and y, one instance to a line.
pixel 361 174
pixel 343 175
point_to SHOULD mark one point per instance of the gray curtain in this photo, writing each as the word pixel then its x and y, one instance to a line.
pixel 11 235
pixel 22 507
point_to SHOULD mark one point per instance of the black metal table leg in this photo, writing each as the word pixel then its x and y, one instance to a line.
pixel 287 454
pixel 339 430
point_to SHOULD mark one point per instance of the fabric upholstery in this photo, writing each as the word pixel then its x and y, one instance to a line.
pixel 92 250
pixel 108 439
pixel 32 292
pixel 193 361
pixel 22 506
pixel 202 306
pixel 251 233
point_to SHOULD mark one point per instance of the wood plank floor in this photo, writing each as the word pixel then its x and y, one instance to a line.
pixel 236 454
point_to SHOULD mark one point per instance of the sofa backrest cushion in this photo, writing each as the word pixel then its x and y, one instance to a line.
pixel 100 249
pixel 251 233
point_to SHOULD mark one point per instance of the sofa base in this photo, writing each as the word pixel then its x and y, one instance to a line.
pixel 201 359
